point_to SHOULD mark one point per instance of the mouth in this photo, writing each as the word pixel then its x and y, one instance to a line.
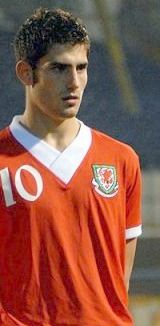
pixel 70 99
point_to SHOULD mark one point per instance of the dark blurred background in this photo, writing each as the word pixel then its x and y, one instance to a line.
pixel 122 99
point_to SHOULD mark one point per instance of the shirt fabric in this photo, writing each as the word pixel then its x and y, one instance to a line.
pixel 64 220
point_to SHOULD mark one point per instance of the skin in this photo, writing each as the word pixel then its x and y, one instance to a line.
pixel 62 72
pixel 49 113
pixel 130 255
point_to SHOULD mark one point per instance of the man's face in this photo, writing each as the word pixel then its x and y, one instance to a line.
pixel 61 77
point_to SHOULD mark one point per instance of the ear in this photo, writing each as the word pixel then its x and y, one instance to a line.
pixel 24 72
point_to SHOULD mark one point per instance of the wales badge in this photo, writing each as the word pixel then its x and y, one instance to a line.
pixel 105 180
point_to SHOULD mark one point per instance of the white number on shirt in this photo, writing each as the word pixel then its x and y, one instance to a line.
pixel 7 187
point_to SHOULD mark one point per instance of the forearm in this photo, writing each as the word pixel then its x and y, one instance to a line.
pixel 130 255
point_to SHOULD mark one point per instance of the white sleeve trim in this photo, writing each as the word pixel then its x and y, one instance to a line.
pixel 134 232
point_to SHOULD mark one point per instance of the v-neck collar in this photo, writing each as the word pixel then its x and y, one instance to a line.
pixel 62 164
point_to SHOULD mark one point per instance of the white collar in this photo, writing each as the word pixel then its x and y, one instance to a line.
pixel 62 164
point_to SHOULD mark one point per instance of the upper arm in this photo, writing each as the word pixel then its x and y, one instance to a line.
pixel 133 211
pixel 133 198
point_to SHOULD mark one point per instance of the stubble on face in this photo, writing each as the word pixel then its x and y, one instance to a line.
pixel 61 78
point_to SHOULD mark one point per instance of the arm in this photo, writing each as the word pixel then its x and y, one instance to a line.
pixel 130 255
pixel 133 212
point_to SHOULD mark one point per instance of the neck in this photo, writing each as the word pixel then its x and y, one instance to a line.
pixel 58 134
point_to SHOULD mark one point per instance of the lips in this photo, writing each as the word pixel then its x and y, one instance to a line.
pixel 70 100
pixel 70 97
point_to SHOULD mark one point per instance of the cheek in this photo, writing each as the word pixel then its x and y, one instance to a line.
pixel 50 88
pixel 43 93
pixel 84 81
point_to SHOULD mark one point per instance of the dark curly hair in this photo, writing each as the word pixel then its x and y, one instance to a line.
pixel 45 28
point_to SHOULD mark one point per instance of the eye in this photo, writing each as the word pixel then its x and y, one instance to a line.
pixel 82 67
pixel 59 67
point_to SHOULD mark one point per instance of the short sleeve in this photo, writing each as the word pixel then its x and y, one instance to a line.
pixel 133 197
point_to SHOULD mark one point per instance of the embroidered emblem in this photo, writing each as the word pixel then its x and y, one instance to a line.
pixel 105 180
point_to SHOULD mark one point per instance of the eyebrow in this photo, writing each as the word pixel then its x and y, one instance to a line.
pixel 54 63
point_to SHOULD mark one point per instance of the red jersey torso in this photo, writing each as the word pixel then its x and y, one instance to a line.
pixel 64 220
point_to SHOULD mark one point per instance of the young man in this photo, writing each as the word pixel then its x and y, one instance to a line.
pixel 69 195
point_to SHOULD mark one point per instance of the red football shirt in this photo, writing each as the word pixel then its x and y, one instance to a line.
pixel 64 221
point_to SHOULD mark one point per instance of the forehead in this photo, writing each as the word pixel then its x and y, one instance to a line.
pixel 66 53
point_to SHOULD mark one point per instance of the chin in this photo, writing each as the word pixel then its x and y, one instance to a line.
pixel 71 112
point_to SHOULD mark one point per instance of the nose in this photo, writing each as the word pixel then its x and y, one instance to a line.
pixel 72 80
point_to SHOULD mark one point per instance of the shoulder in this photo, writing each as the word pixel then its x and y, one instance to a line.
pixel 4 136
pixel 6 142
pixel 117 147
